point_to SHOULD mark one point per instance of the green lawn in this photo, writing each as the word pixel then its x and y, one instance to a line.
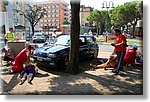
pixel 129 42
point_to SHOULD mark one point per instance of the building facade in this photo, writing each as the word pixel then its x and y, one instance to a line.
pixel 84 23
pixel 57 12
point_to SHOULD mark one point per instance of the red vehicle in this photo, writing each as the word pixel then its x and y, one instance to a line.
pixel 112 37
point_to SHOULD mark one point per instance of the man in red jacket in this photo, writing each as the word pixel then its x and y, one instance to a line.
pixel 120 50
pixel 20 59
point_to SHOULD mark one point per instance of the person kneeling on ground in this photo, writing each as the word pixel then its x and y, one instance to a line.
pixel 22 58
pixel 7 54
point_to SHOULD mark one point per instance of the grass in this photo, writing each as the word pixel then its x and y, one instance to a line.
pixel 129 42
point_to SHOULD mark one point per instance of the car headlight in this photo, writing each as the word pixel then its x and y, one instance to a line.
pixel 52 55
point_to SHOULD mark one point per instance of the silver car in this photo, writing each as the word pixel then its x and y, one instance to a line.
pixel 38 37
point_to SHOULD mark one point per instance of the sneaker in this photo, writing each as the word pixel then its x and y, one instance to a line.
pixel 22 81
pixel 116 72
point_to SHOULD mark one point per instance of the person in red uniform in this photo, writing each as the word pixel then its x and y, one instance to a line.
pixel 120 50
pixel 130 55
pixel 20 59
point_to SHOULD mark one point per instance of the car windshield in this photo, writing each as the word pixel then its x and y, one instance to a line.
pixel 38 34
pixel 63 40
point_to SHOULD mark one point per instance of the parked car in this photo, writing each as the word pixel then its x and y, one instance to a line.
pixel 2 42
pixel 38 37
pixel 57 54
pixel 112 37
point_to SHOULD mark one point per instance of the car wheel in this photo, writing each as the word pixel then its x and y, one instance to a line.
pixel 95 54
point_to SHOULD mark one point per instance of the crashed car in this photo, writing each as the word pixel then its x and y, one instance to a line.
pixel 57 54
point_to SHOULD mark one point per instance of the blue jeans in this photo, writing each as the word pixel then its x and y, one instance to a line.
pixel 119 60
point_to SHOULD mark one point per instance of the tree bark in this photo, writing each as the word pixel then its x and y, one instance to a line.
pixel 73 66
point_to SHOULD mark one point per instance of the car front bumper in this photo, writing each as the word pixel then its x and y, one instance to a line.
pixel 48 62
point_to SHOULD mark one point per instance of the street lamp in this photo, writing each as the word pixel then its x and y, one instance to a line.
pixel 105 5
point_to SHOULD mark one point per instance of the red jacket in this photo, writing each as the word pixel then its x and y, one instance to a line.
pixel 20 59
pixel 130 56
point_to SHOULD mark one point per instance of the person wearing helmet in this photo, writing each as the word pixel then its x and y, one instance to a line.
pixel 130 55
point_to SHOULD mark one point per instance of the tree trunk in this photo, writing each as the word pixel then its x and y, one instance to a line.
pixel 73 66
pixel 133 31
pixel 32 29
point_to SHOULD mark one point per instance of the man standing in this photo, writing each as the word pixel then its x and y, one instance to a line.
pixel 120 50
pixel 9 36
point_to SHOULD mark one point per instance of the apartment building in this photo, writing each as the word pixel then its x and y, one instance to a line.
pixel 84 24
pixel 84 12
pixel 57 12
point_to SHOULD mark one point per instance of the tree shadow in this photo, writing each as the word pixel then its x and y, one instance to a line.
pixel 68 84
pixel 82 84
pixel 11 84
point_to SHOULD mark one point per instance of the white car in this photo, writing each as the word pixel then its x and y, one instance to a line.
pixel 38 37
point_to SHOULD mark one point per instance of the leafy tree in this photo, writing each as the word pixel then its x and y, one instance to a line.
pixel 33 15
pixel 99 18
pixel 73 66
pixel 130 12
pixel 65 22
pixel 5 2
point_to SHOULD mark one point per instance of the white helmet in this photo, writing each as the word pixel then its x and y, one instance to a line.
pixel 135 46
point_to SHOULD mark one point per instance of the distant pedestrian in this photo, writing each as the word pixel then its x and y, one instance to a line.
pixel 120 50
pixel 9 36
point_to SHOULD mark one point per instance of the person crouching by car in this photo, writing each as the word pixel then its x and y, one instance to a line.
pixel 20 59
pixel 130 55
pixel 120 50
pixel 7 55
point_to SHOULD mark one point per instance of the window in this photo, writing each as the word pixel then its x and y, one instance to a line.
pixel 57 10
pixel 53 10
pixel 57 6
pixel 57 20
pixel 53 15
pixel 82 41
pixel 57 15
pixel 53 6
pixel 53 20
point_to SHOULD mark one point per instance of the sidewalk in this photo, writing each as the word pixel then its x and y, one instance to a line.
pixel 88 82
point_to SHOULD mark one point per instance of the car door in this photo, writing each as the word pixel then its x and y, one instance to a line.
pixel 83 47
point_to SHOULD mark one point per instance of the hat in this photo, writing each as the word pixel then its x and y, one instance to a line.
pixel 134 46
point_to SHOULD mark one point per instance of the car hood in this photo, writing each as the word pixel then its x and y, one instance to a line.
pixel 51 49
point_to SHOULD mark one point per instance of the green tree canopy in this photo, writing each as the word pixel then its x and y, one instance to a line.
pixel 130 12
pixel 65 22
pixel 99 18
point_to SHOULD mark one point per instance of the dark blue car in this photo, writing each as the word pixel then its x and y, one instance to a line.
pixel 57 54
